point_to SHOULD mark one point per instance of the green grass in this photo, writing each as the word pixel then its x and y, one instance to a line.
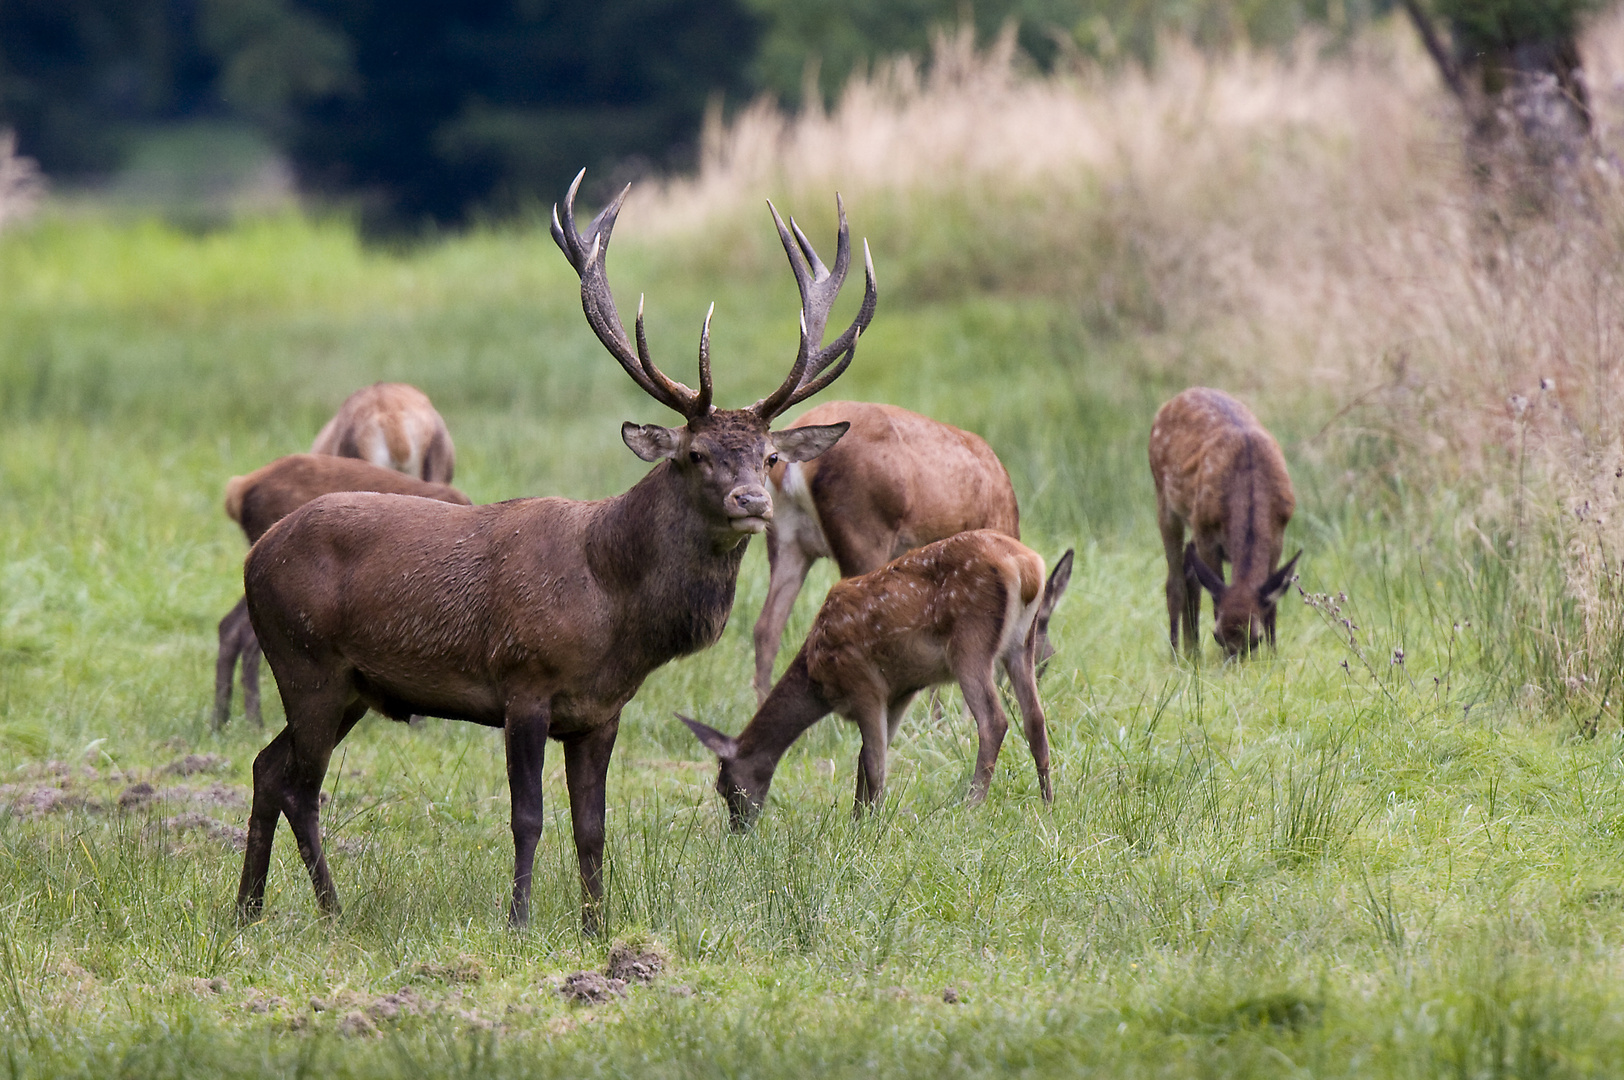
pixel 1322 863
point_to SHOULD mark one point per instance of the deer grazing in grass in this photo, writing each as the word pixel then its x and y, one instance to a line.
pixel 261 499
pixel 394 426
pixel 1220 475
pixel 955 610
pixel 543 616
pixel 895 481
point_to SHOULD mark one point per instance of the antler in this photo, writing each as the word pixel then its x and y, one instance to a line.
pixel 816 366
pixel 588 253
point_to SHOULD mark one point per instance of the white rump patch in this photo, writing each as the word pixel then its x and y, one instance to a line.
pixel 796 516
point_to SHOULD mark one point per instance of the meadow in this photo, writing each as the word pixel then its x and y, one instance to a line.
pixel 1392 848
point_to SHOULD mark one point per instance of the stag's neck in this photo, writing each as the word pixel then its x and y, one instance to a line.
pixel 794 705
pixel 671 571
pixel 1249 516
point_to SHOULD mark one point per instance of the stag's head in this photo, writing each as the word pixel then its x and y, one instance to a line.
pixel 1244 614
pixel 723 455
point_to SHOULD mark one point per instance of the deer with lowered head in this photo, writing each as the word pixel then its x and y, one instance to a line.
pixel 956 610
pixel 1222 477
pixel 895 481
pixel 261 499
pixel 394 426
pixel 541 617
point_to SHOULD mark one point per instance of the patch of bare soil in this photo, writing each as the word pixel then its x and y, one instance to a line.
pixel 31 801
pixel 196 763
pixel 214 828
pixel 634 964
pixel 591 988
pixel 464 969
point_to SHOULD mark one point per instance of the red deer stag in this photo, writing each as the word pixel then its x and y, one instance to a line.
pixel 1222 476
pixel 261 499
pixel 955 610
pixel 394 426
pixel 541 617
pixel 896 481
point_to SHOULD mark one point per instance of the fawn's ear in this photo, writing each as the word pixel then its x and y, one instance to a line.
pixel 806 443
pixel 1059 578
pixel 723 746
pixel 1203 573
pixel 651 442
pixel 1278 582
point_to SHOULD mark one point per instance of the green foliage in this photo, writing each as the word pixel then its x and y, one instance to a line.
pixel 1506 24
pixel 1393 867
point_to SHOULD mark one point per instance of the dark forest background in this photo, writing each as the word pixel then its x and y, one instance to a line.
pixel 432 110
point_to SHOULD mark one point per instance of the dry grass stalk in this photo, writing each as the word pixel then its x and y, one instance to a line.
pixel 21 184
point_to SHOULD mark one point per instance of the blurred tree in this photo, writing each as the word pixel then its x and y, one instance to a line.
pixel 448 104
pixel 1515 66
pixel 75 74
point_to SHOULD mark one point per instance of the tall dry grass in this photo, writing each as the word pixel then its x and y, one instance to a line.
pixel 1303 228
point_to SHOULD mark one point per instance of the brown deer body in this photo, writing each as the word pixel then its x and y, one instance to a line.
pixel 261 499
pixel 538 616
pixel 1222 477
pixel 952 611
pixel 394 426
pixel 895 481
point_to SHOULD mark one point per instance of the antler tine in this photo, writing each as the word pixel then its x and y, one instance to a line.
pixel 702 404
pixel 819 286
pixel 588 253
pixel 845 346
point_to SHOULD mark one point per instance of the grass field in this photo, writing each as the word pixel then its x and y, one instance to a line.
pixel 1391 849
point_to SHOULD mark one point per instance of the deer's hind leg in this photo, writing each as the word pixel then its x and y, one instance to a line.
pixel 874 723
pixel 288 775
pixel 1020 666
pixel 1183 591
pixel 787 564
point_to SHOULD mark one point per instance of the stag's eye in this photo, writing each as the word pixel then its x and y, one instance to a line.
pixel 695 456
pixel 772 459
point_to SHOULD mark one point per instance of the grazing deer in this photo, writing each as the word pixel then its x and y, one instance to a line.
pixel 261 499
pixel 896 481
pixel 394 426
pixel 955 610
pixel 541 617
pixel 1222 476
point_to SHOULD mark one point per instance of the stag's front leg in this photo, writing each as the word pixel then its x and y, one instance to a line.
pixel 525 733
pixel 586 772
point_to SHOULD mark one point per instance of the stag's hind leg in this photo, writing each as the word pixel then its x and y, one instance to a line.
pixel 287 782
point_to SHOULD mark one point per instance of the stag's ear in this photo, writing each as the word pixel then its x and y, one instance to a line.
pixel 1278 582
pixel 1059 578
pixel 651 442
pixel 1203 573
pixel 723 746
pixel 806 443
